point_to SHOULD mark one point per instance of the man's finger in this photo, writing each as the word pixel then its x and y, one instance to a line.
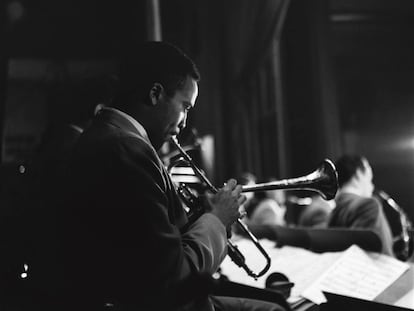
pixel 231 183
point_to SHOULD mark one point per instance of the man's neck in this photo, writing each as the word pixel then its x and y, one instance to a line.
pixel 350 188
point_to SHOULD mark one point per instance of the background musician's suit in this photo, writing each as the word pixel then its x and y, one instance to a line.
pixel 355 206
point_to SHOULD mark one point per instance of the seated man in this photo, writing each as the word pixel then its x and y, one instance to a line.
pixel 316 213
pixel 264 207
pixel 120 238
pixel 266 210
pixel 355 205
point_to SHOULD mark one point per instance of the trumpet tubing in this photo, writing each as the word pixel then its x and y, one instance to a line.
pixel 324 180
pixel 234 253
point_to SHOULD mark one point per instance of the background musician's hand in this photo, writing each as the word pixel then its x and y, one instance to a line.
pixel 225 203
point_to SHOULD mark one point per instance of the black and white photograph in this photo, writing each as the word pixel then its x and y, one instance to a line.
pixel 206 155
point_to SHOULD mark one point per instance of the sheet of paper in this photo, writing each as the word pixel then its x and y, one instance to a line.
pixel 356 274
pixel 353 272
pixel 301 266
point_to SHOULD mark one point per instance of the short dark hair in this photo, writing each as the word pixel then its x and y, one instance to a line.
pixel 347 166
pixel 152 62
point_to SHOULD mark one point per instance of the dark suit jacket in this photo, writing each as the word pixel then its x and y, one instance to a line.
pixel 353 211
pixel 315 214
pixel 118 233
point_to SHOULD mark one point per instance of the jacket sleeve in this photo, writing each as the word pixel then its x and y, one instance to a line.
pixel 174 255
pixel 205 243
pixel 371 216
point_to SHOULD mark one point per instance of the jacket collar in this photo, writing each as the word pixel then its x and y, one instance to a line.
pixel 123 120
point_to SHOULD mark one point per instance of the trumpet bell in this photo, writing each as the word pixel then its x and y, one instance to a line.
pixel 326 180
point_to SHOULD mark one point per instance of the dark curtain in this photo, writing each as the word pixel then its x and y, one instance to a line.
pixel 253 106
pixel 3 73
pixel 237 48
pixel 253 99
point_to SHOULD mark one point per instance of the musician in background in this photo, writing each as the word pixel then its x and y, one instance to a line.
pixel 355 205
pixel 267 207
pixel 261 207
pixel 316 213
pixel 120 237
pixel 71 108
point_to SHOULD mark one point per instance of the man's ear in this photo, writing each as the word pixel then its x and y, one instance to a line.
pixel 358 173
pixel 155 93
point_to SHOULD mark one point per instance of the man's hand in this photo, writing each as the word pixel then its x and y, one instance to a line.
pixel 226 202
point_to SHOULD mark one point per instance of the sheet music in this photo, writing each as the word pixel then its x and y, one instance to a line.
pixel 299 265
pixel 357 274
pixel 353 272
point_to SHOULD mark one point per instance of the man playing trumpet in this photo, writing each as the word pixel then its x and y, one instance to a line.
pixel 122 241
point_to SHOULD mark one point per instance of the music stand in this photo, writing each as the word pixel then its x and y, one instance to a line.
pixel 339 239
pixel 282 235
pixel 343 303
pixel 319 240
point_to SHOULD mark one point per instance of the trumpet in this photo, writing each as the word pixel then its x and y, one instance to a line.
pixel 324 181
